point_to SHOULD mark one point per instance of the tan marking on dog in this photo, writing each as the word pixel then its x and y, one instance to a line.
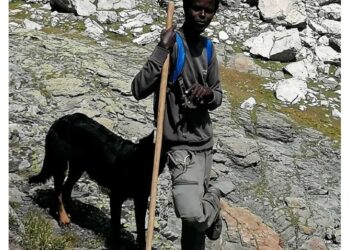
pixel 63 217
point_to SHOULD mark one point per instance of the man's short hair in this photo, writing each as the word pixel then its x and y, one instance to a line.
pixel 186 3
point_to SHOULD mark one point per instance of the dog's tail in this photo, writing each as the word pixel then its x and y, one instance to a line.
pixel 52 144
pixel 44 174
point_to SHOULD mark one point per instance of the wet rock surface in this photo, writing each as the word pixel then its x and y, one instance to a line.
pixel 286 177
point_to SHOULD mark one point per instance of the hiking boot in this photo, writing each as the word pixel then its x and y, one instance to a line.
pixel 214 231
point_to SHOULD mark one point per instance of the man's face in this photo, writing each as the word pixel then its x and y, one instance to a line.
pixel 199 14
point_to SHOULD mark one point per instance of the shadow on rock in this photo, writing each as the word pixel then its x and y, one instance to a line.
pixel 88 217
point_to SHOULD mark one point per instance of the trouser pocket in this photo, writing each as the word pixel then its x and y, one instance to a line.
pixel 187 178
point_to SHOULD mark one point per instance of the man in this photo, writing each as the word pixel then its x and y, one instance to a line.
pixel 188 133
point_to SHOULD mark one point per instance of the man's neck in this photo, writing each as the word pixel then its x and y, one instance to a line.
pixel 190 34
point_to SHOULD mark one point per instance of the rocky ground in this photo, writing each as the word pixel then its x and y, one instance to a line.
pixel 280 67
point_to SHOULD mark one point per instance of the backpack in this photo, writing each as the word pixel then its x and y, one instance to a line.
pixel 181 55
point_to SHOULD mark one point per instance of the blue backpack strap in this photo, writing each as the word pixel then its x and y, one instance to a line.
pixel 209 47
pixel 181 54
pixel 180 60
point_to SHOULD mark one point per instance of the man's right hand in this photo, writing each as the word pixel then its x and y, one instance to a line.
pixel 167 38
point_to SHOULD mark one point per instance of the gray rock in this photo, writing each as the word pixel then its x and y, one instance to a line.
pixel 241 151
pixel 337 236
pixel 107 17
pixel 147 38
pixel 15 222
pixel 249 103
pixel 225 187
pixel 66 87
pixel 302 70
pixel 314 243
pixel 332 27
pixel 30 25
pixel 223 35
pixel 331 11
pixel 335 44
pixel 317 27
pixel 327 55
pixel 286 12
pixel 336 113
pixel 324 2
pixel 295 202
pixel 84 7
pixel 291 90
pixel 274 126
pixel 93 29
pixel 280 46
pixel 115 4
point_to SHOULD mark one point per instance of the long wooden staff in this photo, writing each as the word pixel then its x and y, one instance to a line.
pixel 158 147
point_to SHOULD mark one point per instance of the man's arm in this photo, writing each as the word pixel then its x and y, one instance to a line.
pixel 214 83
pixel 148 79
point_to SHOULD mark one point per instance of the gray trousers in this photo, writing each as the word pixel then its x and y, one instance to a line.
pixel 198 209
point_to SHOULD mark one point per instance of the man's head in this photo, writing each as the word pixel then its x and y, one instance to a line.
pixel 199 13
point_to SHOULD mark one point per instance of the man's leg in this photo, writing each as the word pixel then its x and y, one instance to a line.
pixel 197 209
pixel 191 238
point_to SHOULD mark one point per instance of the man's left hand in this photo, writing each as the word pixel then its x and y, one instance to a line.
pixel 200 92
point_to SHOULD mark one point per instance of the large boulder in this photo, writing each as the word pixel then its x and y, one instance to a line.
pixel 84 7
pixel 79 7
pixel 284 12
pixel 327 55
pixel 280 46
pixel 326 27
pixel 115 4
pixel 331 11
pixel 332 27
pixel 302 70
pixel 324 2
pixel 291 90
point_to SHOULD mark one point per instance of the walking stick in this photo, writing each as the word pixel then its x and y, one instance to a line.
pixel 159 135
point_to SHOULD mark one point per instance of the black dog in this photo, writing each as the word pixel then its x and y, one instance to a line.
pixel 125 168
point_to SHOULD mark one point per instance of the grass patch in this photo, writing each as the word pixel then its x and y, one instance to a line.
pixel 315 117
pixel 15 4
pixel 119 38
pixel 240 86
pixel 271 65
pixel 39 234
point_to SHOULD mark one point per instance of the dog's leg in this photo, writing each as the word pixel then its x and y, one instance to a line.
pixel 140 214
pixel 75 172
pixel 116 208
pixel 63 218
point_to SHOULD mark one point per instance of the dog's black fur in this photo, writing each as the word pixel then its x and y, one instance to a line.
pixel 122 166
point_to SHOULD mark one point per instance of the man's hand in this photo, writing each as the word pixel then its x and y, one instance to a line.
pixel 167 38
pixel 200 93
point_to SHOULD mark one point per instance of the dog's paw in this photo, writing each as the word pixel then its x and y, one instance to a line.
pixel 63 219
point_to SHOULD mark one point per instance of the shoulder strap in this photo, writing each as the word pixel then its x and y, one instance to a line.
pixel 181 54
pixel 209 46
pixel 180 59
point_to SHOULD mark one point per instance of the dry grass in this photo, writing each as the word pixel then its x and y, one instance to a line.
pixel 240 86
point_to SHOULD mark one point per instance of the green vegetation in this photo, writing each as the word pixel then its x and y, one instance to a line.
pixel 121 38
pixel 271 65
pixel 15 4
pixel 240 86
pixel 39 234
